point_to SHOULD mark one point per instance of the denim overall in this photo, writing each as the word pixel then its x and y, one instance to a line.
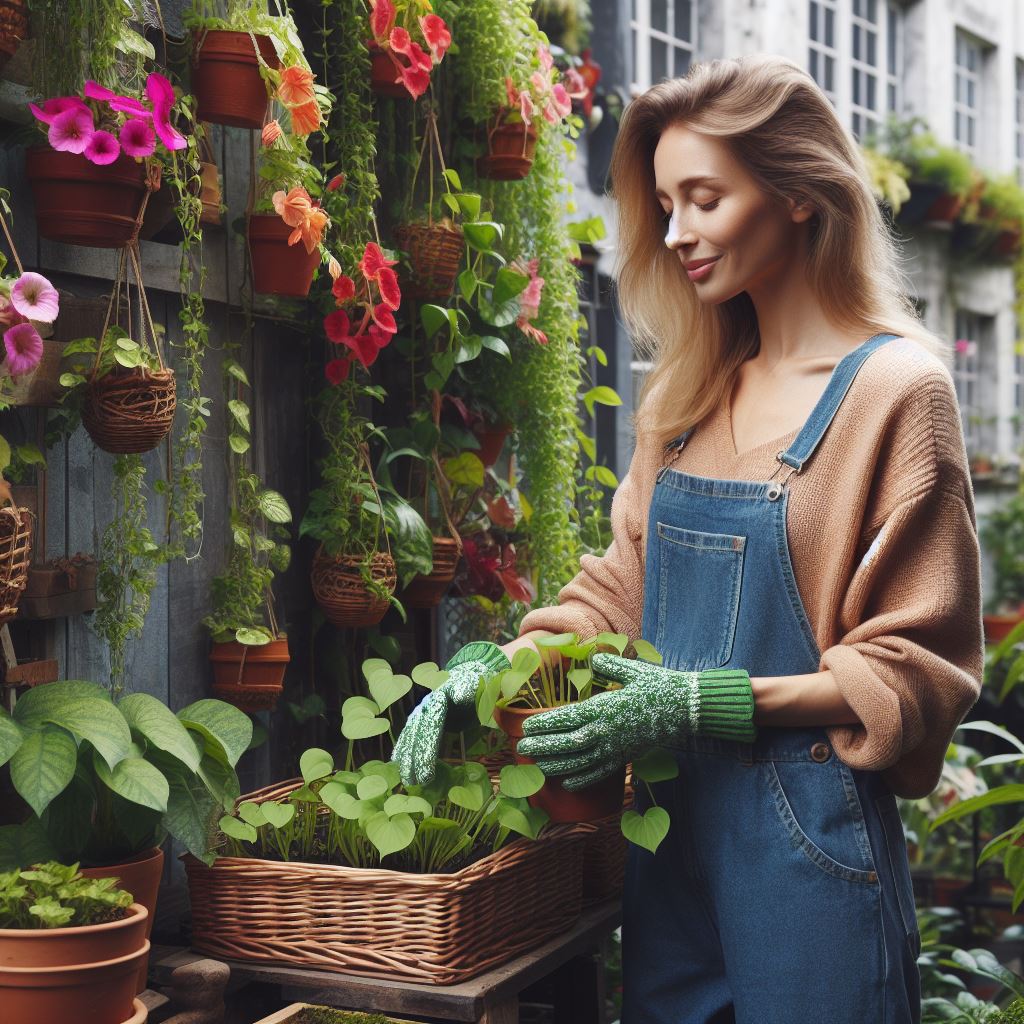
pixel 782 892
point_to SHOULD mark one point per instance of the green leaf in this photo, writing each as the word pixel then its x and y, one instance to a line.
pixel 508 284
pixel 619 641
pixel 465 469
pixel 469 204
pixel 315 764
pixel 363 728
pixel 11 736
pixel 192 811
pixel 526 659
pixel 453 178
pixel 390 835
pixel 428 675
pixel 359 707
pixel 234 368
pixel 467 284
pixel 433 318
pixel 482 235
pixel 647 651
pixel 657 765
pixel 469 797
pixel 240 411
pixel 469 349
pixel 399 803
pixel 224 725
pixel 136 780
pixel 152 719
pixel 496 345
pixel 274 507
pixel 414 547
pixel 341 801
pixel 647 830
pixel 603 395
pixel 44 764
pixel 371 786
pixel 25 844
pixel 253 636
pixel 525 820
pixel 521 780
pixel 237 829
pixel 386 690
pixel 277 814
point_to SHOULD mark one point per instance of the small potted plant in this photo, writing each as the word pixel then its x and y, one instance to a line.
pixel 991 228
pixel 399 64
pixel 68 942
pixel 91 182
pixel 1002 533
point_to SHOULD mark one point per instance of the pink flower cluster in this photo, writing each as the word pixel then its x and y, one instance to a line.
pixel 529 301
pixel 30 297
pixel 394 39
pixel 72 122
pixel 544 95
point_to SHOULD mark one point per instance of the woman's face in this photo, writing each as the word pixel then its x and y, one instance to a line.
pixel 714 208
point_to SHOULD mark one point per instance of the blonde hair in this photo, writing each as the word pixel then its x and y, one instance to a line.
pixel 782 127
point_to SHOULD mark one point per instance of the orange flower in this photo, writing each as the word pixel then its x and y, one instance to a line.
pixel 306 118
pixel 296 87
pixel 294 208
pixel 311 230
pixel 271 133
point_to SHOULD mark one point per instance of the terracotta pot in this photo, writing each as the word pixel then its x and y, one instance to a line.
pixel 226 78
pixel 590 804
pixel 511 149
pixel 945 209
pixel 52 975
pixel 435 253
pixel 277 267
pixel 997 626
pixel 128 412
pixel 81 203
pixel 13 28
pixel 141 877
pixel 249 677
pixel 339 590
pixel 385 79
pixel 427 591
pixel 492 440
pixel 922 195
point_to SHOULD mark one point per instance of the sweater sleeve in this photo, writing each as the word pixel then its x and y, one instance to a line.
pixel 911 656
pixel 608 591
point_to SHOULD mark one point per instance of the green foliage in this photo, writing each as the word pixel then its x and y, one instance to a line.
pixel 1003 535
pixel 53 895
pixel 913 145
pixel 108 780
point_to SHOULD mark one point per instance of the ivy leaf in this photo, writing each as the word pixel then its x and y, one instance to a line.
pixel 240 411
pixel 496 345
pixel 239 444
pixel 274 507
pixel 601 394
pixel 433 318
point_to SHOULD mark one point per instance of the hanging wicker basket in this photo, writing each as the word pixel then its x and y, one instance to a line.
pixel 435 252
pixel 13 28
pixel 15 554
pixel 426 591
pixel 511 147
pixel 341 593
pixel 128 412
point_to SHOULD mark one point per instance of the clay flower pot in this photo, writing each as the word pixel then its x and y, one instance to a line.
pixel 51 975
pixel 945 209
pixel 277 267
pixel 226 77
pixel 435 253
pixel 128 412
pixel 250 677
pixel 339 590
pixel 427 591
pixel 594 802
pixel 511 147
pixel 385 79
pixel 83 203
pixel 13 28
pixel 140 875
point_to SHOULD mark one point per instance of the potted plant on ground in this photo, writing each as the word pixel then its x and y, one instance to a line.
pixel 120 777
pixel 91 182
pixel 250 652
pixel 400 29
pixel 68 942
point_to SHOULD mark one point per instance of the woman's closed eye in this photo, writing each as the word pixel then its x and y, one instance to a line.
pixel 706 207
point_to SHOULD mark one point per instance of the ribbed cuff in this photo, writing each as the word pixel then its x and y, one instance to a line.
pixel 726 705
pixel 488 654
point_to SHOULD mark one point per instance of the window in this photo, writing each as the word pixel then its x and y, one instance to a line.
pixel 864 67
pixel 823 54
pixel 967 99
pixel 893 59
pixel 664 36
pixel 975 380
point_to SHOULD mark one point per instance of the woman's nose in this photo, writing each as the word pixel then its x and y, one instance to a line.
pixel 678 232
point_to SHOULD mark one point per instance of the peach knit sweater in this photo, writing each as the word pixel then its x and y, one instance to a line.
pixel 883 539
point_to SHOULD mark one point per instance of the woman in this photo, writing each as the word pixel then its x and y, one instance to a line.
pixel 796 535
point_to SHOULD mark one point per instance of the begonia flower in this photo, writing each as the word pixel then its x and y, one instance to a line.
pixel 306 118
pixel 343 289
pixel 384 318
pixel 337 370
pixel 295 88
pixel 382 17
pixel 390 292
pixel 437 35
pixel 35 298
pixel 24 349
pixel 374 261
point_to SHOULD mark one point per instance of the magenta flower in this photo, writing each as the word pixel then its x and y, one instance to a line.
pixel 102 148
pixel 9 316
pixel 137 138
pixel 34 297
pixel 51 108
pixel 131 106
pixel 161 95
pixel 24 349
pixel 95 91
pixel 71 130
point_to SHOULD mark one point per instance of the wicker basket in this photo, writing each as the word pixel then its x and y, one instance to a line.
pixel 13 28
pixel 427 591
pixel 339 589
pixel 15 555
pixel 435 253
pixel 129 412
pixel 433 929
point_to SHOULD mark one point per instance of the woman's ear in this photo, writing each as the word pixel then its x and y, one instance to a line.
pixel 799 212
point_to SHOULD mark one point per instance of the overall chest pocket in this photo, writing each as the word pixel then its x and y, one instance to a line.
pixel 699 579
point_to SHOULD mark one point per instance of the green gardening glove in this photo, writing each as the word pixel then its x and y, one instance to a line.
pixel 452 706
pixel 593 738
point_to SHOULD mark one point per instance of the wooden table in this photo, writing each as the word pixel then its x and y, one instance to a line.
pixel 489 998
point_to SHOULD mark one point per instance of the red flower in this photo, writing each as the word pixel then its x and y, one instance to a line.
pixel 344 290
pixel 365 347
pixel 387 282
pixel 384 319
pixel 436 33
pixel 337 370
pixel 374 261
pixel 382 17
pixel 336 182
pixel 337 326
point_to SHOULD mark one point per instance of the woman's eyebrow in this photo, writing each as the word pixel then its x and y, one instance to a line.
pixel 692 180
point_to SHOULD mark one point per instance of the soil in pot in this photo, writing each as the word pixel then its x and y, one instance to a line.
pixel 590 804
pixel 339 589
pixel 128 412
pixel 141 877
pixel 511 149
pixel 250 677
pixel 81 203
pixel 277 267
pixel 226 78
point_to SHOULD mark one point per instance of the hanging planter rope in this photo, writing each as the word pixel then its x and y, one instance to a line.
pixel 511 147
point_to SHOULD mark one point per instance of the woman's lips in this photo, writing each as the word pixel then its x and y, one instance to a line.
pixel 701 272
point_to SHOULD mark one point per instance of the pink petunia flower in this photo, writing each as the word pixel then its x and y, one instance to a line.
pixel 161 95
pixel 130 105
pixel 35 298
pixel 51 108
pixel 71 130
pixel 102 148
pixel 9 316
pixel 137 138
pixel 24 349
pixel 560 100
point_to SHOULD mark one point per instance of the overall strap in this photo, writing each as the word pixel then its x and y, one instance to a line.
pixel 804 444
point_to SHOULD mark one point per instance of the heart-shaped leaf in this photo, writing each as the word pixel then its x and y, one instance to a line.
pixel 469 797
pixel 363 728
pixel 428 675
pixel 402 802
pixel 343 803
pixel 359 707
pixel 656 765
pixel 277 814
pixel 372 786
pixel 522 818
pixel 647 829
pixel 385 690
pixel 386 769
pixel 390 835
pixel 375 666
pixel 315 764
pixel 252 813
pixel 520 780
pixel 237 829
pixel 647 651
